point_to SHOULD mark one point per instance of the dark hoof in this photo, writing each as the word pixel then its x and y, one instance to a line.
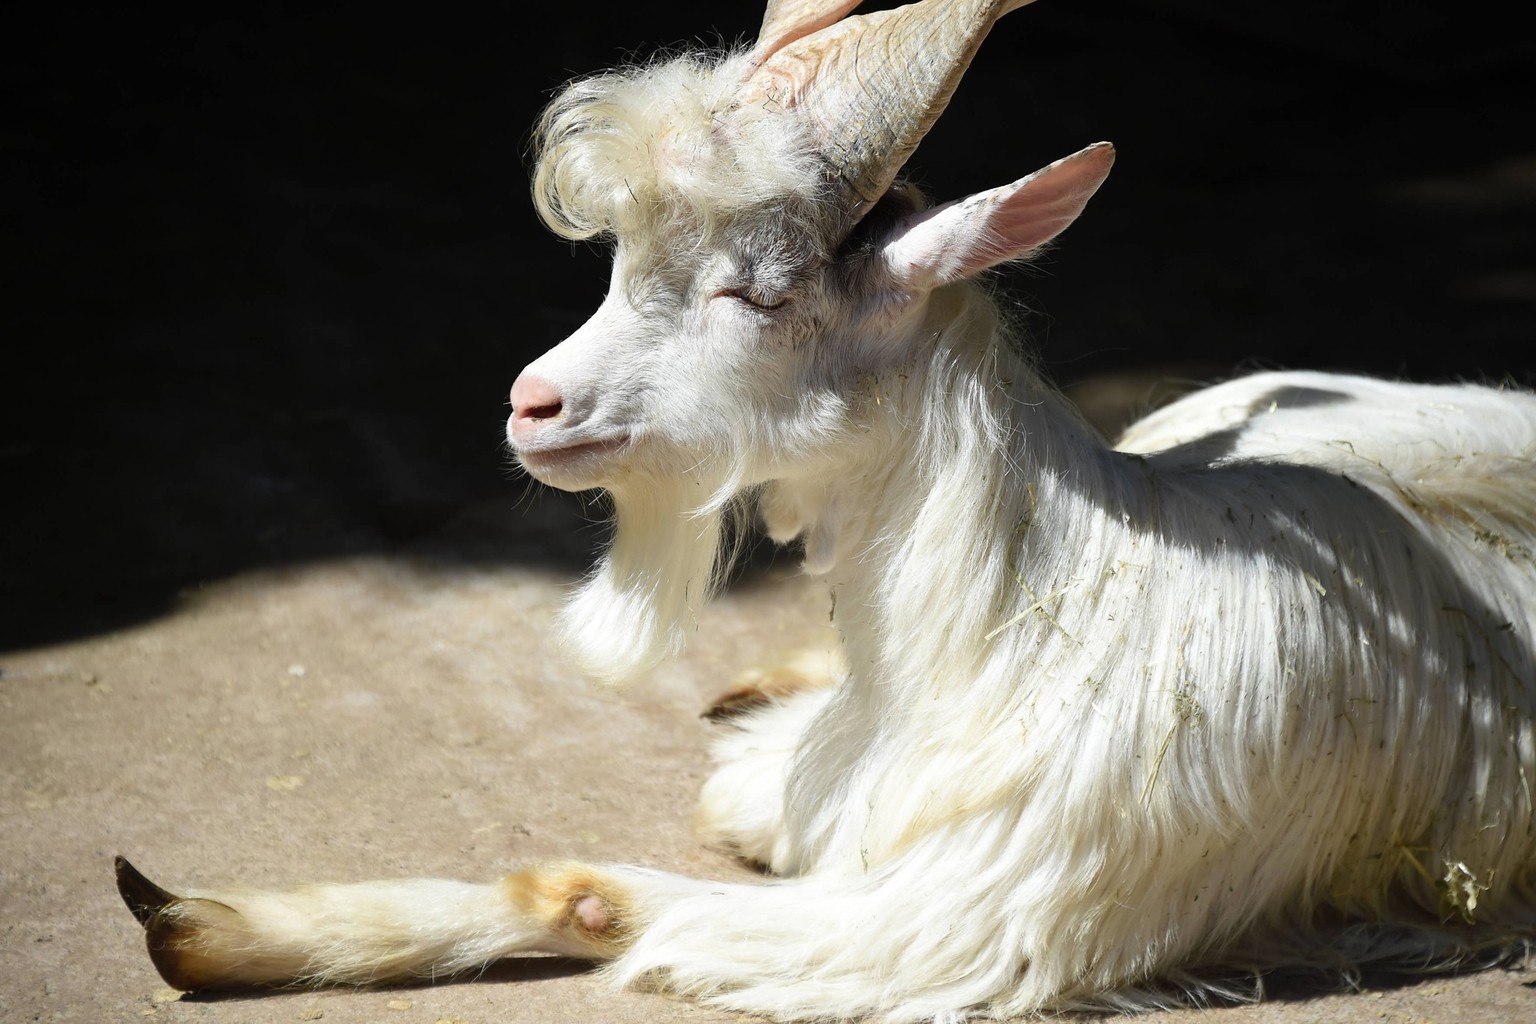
pixel 759 688
pixel 144 898
pixel 172 929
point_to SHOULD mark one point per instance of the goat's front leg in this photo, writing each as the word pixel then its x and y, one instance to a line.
pixel 741 808
pixel 376 932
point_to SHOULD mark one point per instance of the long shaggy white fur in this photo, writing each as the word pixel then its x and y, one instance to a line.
pixel 625 151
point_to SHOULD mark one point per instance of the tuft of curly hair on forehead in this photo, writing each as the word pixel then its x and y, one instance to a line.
pixel 632 153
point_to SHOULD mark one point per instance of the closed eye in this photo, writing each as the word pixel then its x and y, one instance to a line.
pixel 754 298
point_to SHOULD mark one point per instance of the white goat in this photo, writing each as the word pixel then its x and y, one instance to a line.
pixel 1118 727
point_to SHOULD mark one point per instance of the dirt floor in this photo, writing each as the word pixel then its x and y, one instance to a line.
pixel 273 602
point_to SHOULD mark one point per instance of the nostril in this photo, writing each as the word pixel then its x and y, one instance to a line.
pixel 534 398
pixel 539 412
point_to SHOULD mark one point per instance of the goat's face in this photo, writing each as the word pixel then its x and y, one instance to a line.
pixel 737 358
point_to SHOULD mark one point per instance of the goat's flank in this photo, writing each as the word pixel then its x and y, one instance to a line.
pixel 1116 727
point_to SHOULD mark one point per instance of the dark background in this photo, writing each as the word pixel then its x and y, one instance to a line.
pixel 270 273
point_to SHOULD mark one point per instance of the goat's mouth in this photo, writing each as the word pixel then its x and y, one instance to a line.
pixel 567 464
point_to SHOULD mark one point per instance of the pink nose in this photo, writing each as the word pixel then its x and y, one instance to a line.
pixel 534 400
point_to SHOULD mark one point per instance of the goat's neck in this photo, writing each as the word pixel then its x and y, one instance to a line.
pixel 993 491
pixel 988 497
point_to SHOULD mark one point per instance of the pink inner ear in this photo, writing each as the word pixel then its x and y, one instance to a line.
pixel 964 238
pixel 1023 216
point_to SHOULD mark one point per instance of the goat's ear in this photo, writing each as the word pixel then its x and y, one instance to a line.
pixel 967 236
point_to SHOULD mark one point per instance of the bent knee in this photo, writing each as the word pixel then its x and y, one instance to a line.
pixel 575 902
